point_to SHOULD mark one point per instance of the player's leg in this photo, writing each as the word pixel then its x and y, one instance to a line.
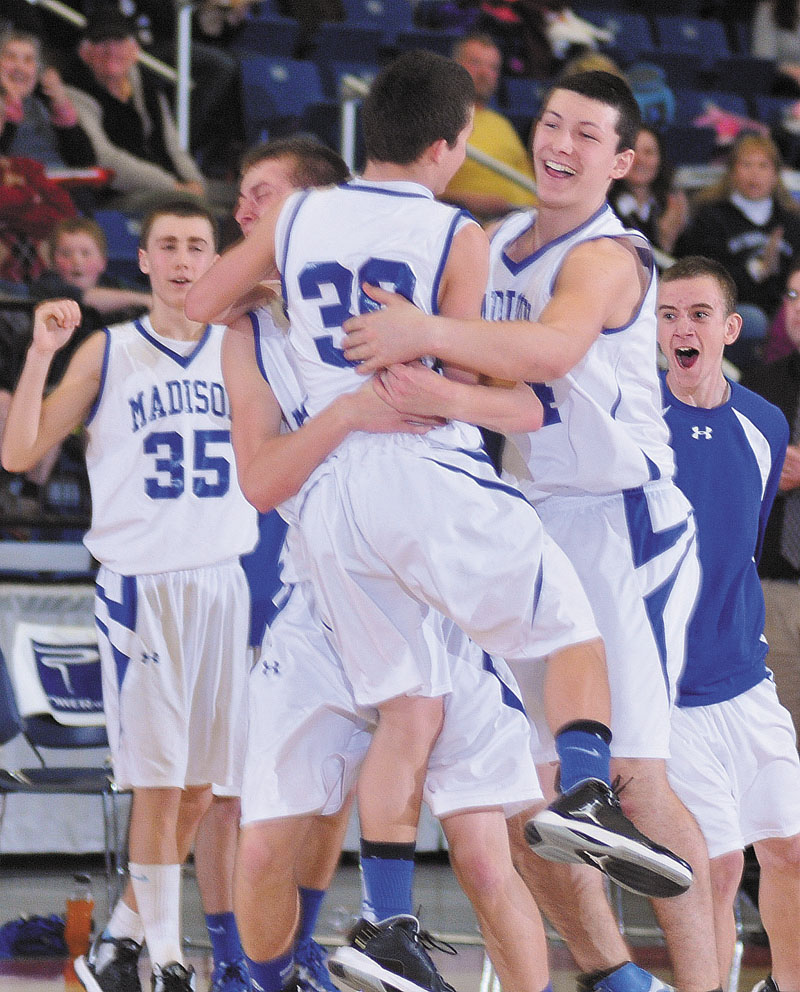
pixel 509 920
pixel 726 874
pixel 779 905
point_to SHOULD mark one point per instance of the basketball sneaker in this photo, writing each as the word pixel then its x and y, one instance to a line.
pixel 629 977
pixel 110 965
pixel 232 977
pixel 766 985
pixel 389 956
pixel 173 977
pixel 311 962
pixel 586 825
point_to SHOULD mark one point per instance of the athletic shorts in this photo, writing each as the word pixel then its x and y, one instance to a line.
pixel 392 528
pixel 636 556
pixel 173 648
pixel 307 735
pixel 735 766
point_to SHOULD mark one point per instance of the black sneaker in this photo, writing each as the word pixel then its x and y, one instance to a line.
pixel 766 985
pixel 587 825
pixel 389 956
pixel 110 965
pixel 173 977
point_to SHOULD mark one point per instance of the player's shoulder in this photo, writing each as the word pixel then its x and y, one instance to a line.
pixel 769 419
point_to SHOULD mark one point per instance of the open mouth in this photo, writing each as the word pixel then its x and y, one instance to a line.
pixel 558 168
pixel 686 357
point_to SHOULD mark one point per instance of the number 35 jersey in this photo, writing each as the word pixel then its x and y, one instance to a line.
pixel 330 242
pixel 165 495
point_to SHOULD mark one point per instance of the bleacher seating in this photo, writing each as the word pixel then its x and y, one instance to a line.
pixel 269 35
pixel 692 35
pixel 277 92
pixel 632 33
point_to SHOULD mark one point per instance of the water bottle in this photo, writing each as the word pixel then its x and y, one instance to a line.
pixel 78 920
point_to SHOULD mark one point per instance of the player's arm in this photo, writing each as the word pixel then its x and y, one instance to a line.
pixel 35 424
pixel 598 286
pixel 236 272
pixel 272 466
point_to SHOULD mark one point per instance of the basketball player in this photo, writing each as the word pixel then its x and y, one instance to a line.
pixel 168 525
pixel 733 757
pixel 387 225
pixel 572 301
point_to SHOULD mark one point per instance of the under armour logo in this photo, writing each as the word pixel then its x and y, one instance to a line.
pixel 147 657
pixel 270 667
pixel 705 432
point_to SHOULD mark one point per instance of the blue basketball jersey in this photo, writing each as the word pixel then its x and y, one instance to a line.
pixel 729 461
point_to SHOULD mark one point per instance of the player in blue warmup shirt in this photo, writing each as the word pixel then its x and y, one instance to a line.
pixel 734 761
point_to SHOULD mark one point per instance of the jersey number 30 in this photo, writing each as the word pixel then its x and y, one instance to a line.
pixel 388 273
pixel 211 473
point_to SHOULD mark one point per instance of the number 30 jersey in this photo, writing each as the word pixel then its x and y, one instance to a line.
pixel 330 242
pixel 165 495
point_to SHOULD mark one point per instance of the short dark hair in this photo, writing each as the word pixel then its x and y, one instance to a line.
pixel 479 37
pixel 177 208
pixel 612 90
pixel 313 164
pixel 108 25
pixel 78 225
pixel 419 98
pixel 698 266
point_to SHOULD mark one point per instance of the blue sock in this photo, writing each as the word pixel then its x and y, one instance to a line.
pixel 224 935
pixel 583 749
pixel 310 902
pixel 387 876
pixel 272 975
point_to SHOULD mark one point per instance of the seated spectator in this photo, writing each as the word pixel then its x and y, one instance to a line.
pixel 749 222
pixel 645 199
pixel 127 115
pixel 79 258
pixel 30 205
pixel 37 118
pixel 477 187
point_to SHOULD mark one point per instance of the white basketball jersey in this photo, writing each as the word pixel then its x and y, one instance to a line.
pixel 330 242
pixel 603 429
pixel 165 494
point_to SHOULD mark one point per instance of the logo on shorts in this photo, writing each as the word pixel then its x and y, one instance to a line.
pixel 270 668
pixel 698 433
pixel 148 658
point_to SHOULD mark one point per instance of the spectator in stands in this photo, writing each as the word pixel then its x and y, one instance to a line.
pixel 37 118
pixel 476 187
pixel 776 36
pixel 127 116
pixel 645 199
pixel 749 222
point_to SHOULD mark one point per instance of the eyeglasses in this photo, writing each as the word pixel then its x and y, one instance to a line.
pixel 791 295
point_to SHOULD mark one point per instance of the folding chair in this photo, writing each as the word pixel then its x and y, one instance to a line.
pixel 74 672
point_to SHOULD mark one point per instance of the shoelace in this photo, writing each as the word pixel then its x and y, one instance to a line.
pixel 427 940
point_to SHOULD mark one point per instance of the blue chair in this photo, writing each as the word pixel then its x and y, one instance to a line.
pixel 270 35
pixel 678 70
pixel 631 32
pixel 434 41
pixel 122 235
pixel 43 732
pixel 522 97
pixel 357 42
pixel 691 35
pixel 744 74
pixel 334 71
pixel 688 145
pixel 770 110
pixel 391 16
pixel 277 91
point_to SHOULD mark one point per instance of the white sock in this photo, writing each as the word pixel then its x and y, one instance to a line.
pixel 158 896
pixel 125 922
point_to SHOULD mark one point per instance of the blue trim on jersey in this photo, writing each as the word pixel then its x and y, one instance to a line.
pixel 653 469
pixel 615 405
pixel 516 267
pixel 478 454
pixel 301 199
pixel 510 698
pixel 103 373
pixel 434 301
pixel 183 360
pixel 646 257
pixel 646 543
pixel 655 603
pixel 254 323
pixel 363 187
pixel 485 483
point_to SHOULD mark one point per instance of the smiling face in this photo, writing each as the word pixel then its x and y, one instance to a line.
pixel 575 151
pixel 693 329
pixel 19 68
pixel 77 258
pixel 179 250
pixel 262 185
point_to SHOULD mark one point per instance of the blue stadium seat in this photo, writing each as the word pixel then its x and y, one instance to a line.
pixel 691 35
pixel 391 16
pixel 679 71
pixel 771 110
pixel 692 103
pixel 522 96
pixel 687 145
pixel 276 89
pixel 434 41
pixel 268 36
pixel 122 235
pixel 333 71
pixel 745 74
pixel 340 40
pixel 631 32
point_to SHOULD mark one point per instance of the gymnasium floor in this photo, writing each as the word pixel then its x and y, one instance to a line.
pixel 41 886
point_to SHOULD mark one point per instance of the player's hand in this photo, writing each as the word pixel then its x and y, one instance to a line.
pixel 790 474
pixel 397 333
pixel 53 324
pixel 370 413
pixel 412 389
